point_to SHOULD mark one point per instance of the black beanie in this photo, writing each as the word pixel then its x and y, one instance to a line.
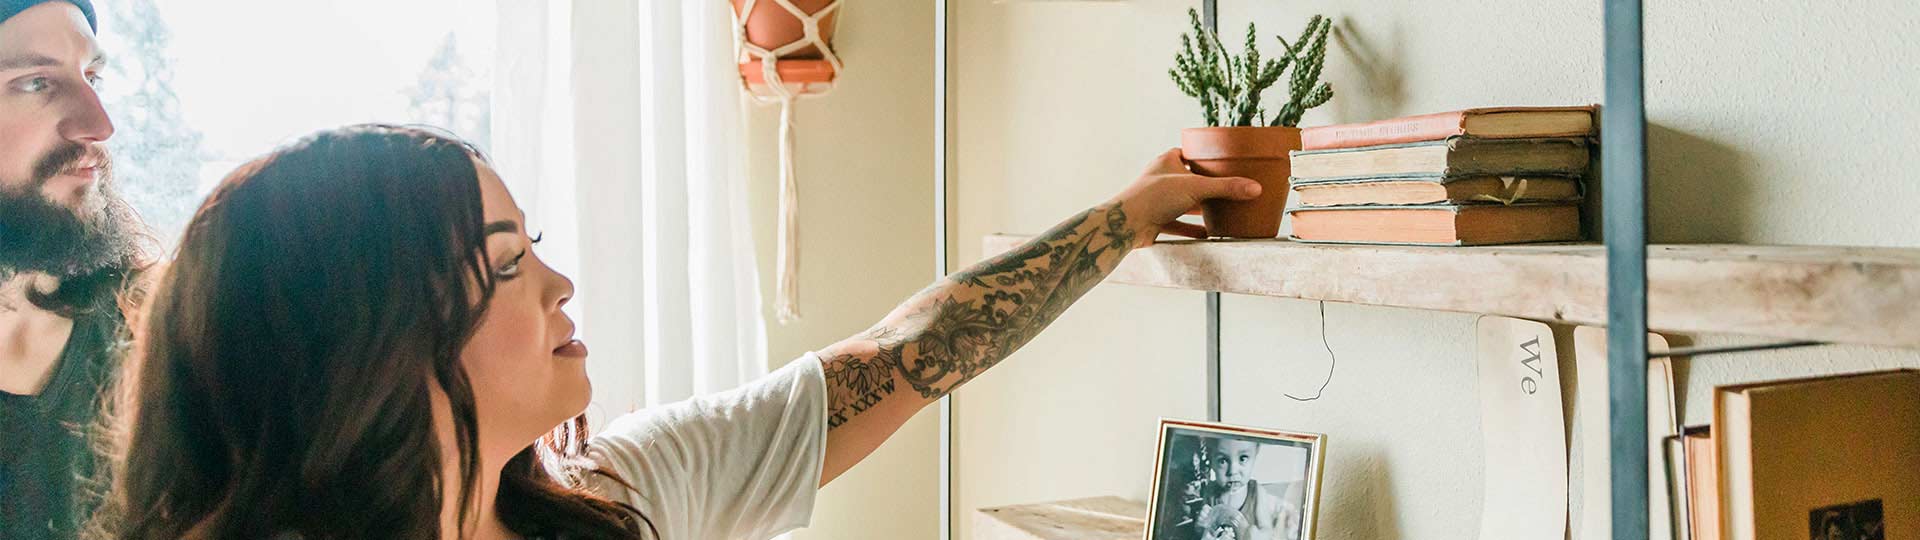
pixel 9 8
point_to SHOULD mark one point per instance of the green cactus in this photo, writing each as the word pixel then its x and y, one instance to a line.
pixel 1305 88
pixel 1229 87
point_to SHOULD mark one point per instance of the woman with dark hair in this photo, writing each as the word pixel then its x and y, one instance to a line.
pixel 356 340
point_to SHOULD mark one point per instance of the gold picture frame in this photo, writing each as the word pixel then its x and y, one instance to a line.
pixel 1197 505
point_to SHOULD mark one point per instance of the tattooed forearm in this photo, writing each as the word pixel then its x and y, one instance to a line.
pixel 951 332
pixel 856 383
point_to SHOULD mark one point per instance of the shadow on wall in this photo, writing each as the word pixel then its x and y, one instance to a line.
pixel 1370 497
pixel 1698 189
pixel 1682 373
pixel 1378 70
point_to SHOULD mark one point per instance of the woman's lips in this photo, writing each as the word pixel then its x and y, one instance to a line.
pixel 572 349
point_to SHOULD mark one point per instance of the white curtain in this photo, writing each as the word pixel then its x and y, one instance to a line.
pixel 618 126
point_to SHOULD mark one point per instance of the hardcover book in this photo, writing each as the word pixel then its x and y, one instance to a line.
pixel 1486 122
pixel 1439 225
pixel 1827 457
pixel 1435 189
pixel 1458 156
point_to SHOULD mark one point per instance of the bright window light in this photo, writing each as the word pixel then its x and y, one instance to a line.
pixel 196 87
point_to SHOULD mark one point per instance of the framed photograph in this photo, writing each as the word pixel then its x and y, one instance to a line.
pixel 1862 520
pixel 1217 481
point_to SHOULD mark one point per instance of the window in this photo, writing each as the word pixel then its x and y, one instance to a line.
pixel 197 87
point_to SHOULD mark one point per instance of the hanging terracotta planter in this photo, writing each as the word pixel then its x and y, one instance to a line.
pixel 813 74
pixel 772 25
pixel 1259 153
pixel 785 50
pixel 779 29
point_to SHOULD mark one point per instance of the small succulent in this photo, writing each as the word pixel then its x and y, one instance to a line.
pixel 1229 86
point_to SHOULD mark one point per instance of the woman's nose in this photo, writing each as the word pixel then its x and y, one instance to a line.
pixel 564 291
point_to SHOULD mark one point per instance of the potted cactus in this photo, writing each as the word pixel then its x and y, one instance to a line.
pixel 1240 139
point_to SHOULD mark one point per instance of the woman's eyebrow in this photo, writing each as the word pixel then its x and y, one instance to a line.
pixel 498 227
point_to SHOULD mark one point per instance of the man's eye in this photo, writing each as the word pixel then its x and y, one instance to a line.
pixel 34 85
pixel 94 79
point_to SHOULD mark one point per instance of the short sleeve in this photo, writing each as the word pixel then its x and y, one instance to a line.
pixel 741 464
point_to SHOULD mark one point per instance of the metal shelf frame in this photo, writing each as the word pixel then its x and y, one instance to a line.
pixel 1623 176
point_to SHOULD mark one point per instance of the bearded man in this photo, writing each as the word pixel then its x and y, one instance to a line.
pixel 68 246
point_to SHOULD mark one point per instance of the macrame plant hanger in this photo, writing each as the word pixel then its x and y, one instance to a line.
pixel 778 66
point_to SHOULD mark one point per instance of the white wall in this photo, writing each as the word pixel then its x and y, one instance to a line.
pixel 865 160
pixel 1771 123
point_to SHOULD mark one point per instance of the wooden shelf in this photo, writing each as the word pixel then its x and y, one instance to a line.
pixel 1098 518
pixel 1865 296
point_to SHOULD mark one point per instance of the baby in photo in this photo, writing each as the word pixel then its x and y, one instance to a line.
pixel 1240 507
pixel 1219 481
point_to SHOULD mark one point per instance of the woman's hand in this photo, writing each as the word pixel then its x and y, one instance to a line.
pixel 1168 190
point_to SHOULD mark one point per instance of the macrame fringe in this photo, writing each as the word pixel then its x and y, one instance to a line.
pixel 787 291
pixel 787 305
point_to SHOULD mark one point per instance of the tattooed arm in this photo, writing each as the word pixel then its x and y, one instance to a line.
pixel 951 332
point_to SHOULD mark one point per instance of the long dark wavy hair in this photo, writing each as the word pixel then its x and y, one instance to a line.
pixel 280 382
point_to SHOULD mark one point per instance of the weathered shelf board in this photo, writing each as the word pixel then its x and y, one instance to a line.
pixel 1098 518
pixel 1868 296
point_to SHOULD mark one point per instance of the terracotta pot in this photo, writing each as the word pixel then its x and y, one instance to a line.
pixel 803 75
pixel 1259 153
pixel 770 26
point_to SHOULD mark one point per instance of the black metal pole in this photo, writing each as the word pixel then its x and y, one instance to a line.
pixel 1624 169
pixel 940 262
pixel 1213 356
pixel 1210 15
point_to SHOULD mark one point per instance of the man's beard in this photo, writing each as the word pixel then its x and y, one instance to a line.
pixel 39 235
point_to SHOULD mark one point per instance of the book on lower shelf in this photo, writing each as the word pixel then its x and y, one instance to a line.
pixel 1824 457
pixel 1702 485
pixel 1694 485
pixel 1438 225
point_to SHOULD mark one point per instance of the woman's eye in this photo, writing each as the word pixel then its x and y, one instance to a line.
pixel 512 268
pixel 538 237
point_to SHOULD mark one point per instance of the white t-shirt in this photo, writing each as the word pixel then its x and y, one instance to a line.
pixel 738 465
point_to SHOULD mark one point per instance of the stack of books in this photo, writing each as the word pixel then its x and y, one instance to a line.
pixel 1472 177
pixel 1821 457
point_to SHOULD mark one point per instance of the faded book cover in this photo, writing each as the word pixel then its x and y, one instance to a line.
pixel 1457 156
pixel 1492 122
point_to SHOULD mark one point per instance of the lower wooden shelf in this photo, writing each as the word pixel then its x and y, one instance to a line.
pixel 1098 518
pixel 1855 295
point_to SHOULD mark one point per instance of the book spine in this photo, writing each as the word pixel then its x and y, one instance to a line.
pixel 1425 127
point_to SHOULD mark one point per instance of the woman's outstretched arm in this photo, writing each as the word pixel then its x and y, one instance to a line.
pixel 966 323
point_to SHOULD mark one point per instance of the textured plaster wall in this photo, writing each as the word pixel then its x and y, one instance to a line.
pixel 1771 122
